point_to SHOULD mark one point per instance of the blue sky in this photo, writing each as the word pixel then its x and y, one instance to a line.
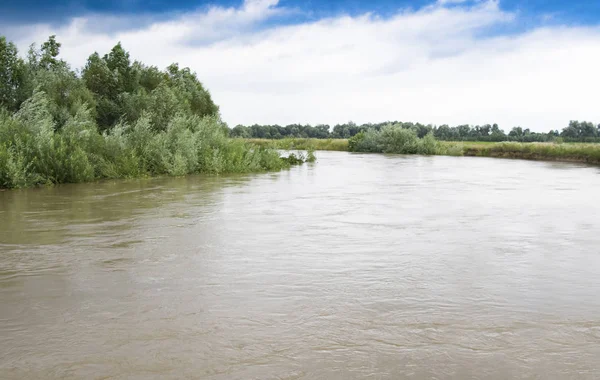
pixel 530 63
pixel 20 11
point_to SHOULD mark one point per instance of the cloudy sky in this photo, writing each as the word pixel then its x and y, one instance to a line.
pixel 534 64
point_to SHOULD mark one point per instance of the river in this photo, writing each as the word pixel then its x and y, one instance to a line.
pixel 356 267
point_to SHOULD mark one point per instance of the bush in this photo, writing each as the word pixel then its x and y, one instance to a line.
pixel 114 120
pixel 393 139
pixel 32 152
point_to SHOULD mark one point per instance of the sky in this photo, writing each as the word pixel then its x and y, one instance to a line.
pixel 532 63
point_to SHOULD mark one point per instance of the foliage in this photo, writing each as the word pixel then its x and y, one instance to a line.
pixel 293 159
pixel 575 132
pixel 310 155
pixel 13 76
pixel 552 151
pixel 303 144
pixel 125 90
pixel 118 119
pixel 578 152
pixel 393 138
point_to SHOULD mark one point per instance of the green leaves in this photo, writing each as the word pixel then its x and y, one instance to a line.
pixel 13 74
pixel 49 51
pixel 116 120
pixel 393 138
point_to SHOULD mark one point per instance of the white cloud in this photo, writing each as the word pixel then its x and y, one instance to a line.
pixel 433 65
pixel 443 2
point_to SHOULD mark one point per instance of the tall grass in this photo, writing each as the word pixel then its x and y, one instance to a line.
pixel 303 144
pixel 575 152
pixel 33 152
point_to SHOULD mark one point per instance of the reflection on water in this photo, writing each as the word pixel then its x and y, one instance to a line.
pixel 361 266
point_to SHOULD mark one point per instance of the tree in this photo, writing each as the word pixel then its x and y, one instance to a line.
pixel 53 76
pixel 190 91
pixel 443 132
pixel 114 82
pixel 321 131
pixel 163 105
pixel 497 134
pixel 66 92
pixel 463 131
pixel 13 74
pixel 149 77
pixel 99 78
pixel 117 61
pixel 240 131
pixel 49 51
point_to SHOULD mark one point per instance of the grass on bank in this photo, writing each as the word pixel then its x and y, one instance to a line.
pixel 569 152
pixel 572 152
pixel 302 144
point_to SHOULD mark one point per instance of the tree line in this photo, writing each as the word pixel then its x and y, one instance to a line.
pixel 576 131
pixel 394 138
pixel 114 118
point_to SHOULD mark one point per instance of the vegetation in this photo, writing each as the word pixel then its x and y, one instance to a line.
pixel 302 144
pixel 409 138
pixel 116 119
pixel 574 152
pixel 393 138
pixel 394 141
pixel 575 132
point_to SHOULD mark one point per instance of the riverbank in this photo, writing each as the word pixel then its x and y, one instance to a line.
pixel 338 145
pixel 567 152
pixel 33 153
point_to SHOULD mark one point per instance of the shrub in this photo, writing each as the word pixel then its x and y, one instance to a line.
pixel 393 139
pixel 32 152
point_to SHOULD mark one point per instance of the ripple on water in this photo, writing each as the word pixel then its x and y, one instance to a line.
pixel 361 266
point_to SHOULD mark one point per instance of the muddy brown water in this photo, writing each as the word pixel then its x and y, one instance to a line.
pixel 356 267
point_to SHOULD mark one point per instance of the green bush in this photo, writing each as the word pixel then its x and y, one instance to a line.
pixel 117 119
pixel 33 152
pixel 393 139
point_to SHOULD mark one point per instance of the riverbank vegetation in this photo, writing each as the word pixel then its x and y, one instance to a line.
pixel 569 152
pixel 576 131
pixel 394 139
pixel 303 144
pixel 113 119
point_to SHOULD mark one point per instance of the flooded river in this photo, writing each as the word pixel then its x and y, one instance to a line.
pixel 356 267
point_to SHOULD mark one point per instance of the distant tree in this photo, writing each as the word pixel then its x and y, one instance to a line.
pixel 516 133
pixel 463 131
pixel 443 132
pixel 497 134
pixel 240 131
pixel 321 131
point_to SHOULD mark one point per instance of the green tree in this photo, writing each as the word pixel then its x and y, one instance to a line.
pixel 54 77
pixel 163 105
pixel 190 91
pixel 240 131
pixel 49 53
pixel 13 75
pixel 117 61
pixel 149 77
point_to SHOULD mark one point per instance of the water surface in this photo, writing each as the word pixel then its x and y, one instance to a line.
pixel 357 267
